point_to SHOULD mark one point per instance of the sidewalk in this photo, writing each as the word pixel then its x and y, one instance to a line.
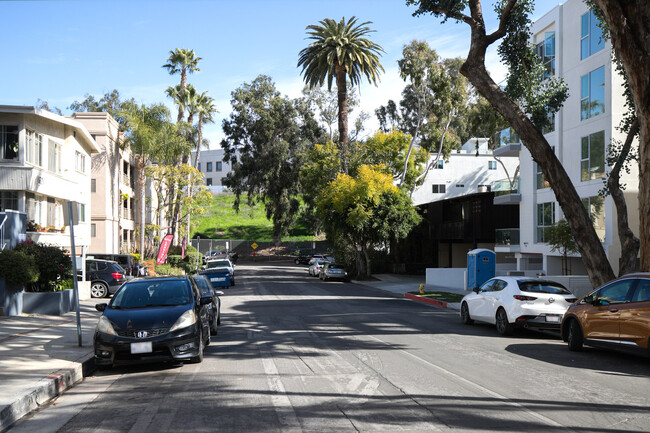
pixel 40 358
pixel 400 285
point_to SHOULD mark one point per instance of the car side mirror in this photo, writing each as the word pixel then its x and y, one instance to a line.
pixel 101 307
pixel 205 300
pixel 477 290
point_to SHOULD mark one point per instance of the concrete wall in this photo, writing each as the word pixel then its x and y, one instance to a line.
pixel 446 277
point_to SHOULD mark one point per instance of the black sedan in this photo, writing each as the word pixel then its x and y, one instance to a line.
pixel 153 319
pixel 214 309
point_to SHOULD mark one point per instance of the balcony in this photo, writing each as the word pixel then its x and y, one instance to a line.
pixel 509 143
pixel 506 192
pixel 506 240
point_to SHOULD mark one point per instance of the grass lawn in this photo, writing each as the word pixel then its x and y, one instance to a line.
pixel 220 221
pixel 440 296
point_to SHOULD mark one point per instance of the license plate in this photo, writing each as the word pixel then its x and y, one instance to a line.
pixel 553 319
pixel 144 347
pixel 218 279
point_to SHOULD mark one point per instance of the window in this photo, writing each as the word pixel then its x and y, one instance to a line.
pixel 594 206
pixel 460 185
pixel 546 52
pixel 592 93
pixel 93 230
pixel 208 181
pixel 614 293
pixel 592 161
pixel 545 219
pixel 208 166
pixel 218 166
pixel 551 125
pixel 8 200
pixel 591 36
pixel 34 147
pixel 53 156
pixel 439 164
pixel 642 293
pixel 198 166
pixel 80 162
pixel 492 165
pixel 438 189
pixel 93 185
pixel 8 142
pixel 82 212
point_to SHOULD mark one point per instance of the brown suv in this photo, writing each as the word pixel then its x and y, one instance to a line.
pixel 616 315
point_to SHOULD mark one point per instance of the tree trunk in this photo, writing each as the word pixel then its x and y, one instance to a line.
pixel 630 36
pixel 143 223
pixel 593 255
pixel 342 94
pixel 629 242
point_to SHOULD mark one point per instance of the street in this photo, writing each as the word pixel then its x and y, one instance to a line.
pixel 297 354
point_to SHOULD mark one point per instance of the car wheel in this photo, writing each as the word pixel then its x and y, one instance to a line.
pixel 98 290
pixel 464 314
pixel 199 358
pixel 219 319
pixel 574 338
pixel 503 326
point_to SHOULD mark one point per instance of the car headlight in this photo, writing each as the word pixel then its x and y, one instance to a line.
pixel 105 327
pixel 188 318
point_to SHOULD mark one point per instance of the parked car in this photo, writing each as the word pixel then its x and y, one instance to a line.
pixel 314 268
pixel 333 271
pixel 614 316
pixel 214 309
pixel 221 264
pixel 315 257
pixel 302 259
pixel 153 319
pixel 105 277
pixel 127 261
pixel 511 302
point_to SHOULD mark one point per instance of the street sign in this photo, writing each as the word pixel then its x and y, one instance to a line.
pixel 254 246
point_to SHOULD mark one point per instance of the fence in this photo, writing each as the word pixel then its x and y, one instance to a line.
pixel 261 250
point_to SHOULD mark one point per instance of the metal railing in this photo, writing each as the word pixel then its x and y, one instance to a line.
pixel 506 237
pixel 508 136
pixel 505 187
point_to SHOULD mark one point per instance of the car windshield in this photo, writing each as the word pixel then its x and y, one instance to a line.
pixel 152 293
pixel 543 287
pixel 335 266
pixel 203 286
pixel 218 264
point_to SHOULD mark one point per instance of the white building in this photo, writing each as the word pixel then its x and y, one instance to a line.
pixel 570 42
pixel 469 170
pixel 214 167
pixel 44 163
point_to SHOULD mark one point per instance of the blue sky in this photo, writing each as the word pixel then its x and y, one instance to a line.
pixel 62 50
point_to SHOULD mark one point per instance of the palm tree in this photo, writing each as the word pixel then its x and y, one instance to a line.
pixel 184 61
pixel 339 49
pixel 205 110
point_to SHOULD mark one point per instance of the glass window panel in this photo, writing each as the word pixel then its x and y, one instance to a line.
pixel 597 91
pixel 584 170
pixel 584 48
pixel 597 155
pixel 549 44
pixel 584 25
pixel 584 86
pixel 596 40
pixel 585 148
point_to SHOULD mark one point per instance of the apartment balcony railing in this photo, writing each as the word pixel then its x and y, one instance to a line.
pixel 506 237
pixel 506 191
pixel 509 143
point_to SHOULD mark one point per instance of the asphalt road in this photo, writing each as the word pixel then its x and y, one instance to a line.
pixel 297 354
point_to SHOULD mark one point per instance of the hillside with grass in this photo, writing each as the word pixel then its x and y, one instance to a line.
pixel 221 221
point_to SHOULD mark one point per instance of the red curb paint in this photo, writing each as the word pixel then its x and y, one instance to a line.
pixel 418 298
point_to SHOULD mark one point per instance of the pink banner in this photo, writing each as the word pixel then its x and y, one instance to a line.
pixel 164 248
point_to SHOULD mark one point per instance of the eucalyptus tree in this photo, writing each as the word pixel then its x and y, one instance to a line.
pixel 183 61
pixel 340 51
pixel 530 99
pixel 265 136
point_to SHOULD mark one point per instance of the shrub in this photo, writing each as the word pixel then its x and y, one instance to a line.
pixel 64 285
pixel 18 268
pixel 53 263
pixel 136 256
pixel 168 270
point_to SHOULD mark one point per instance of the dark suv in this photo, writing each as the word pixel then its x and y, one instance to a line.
pixel 127 261
pixel 105 277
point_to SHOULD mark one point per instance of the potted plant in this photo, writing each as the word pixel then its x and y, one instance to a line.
pixel 18 270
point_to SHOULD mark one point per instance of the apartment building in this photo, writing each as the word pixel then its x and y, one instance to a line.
pixel 45 161
pixel 570 42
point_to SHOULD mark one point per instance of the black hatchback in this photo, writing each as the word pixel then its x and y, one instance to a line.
pixel 153 319
pixel 105 277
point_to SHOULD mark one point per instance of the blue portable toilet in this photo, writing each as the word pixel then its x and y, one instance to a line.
pixel 481 266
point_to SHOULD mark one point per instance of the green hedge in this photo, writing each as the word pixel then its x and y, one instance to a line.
pixel 168 270
pixel 18 268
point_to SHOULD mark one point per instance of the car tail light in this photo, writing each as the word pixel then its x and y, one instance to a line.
pixel 524 298
pixel 117 275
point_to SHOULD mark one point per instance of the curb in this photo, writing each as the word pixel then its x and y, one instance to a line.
pixel 442 304
pixel 47 389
